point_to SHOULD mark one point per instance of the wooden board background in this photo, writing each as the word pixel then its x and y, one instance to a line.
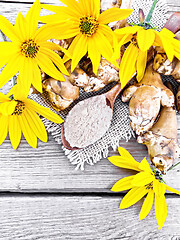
pixel 42 196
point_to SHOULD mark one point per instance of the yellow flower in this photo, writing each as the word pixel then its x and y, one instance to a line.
pixel 135 57
pixel 166 39
pixel 19 115
pixel 82 20
pixel 146 182
pixel 29 51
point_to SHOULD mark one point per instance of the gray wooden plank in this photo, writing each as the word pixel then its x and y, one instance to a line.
pixel 10 9
pixel 82 218
pixel 46 169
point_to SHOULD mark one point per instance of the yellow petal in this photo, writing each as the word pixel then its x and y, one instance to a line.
pixel 46 65
pixel 128 64
pixel 109 34
pixel 7 49
pixel 10 69
pixel 36 81
pixel 145 39
pixel 144 165
pixel 53 46
pixel 125 160
pixel 21 27
pixel 147 205
pixel 94 54
pixel 143 178
pixel 167 33
pixel 133 196
pixel 26 75
pixel 141 65
pixel 124 40
pixel 125 154
pixel 159 188
pixel 7 108
pixel 160 210
pixel 4 128
pixel 4 60
pixel 11 92
pixel 127 31
pixel 85 7
pixel 8 29
pixel 14 131
pixel 79 51
pixel 168 47
pixel 18 90
pixel 123 184
pixel 45 112
pixel 55 58
pixel 96 8
pixel 157 40
pixel 4 98
pixel 114 14
pixel 32 18
pixel 36 125
pixel 58 31
pixel 104 46
pixel 27 130
pixel 54 18
pixel 172 189
pixel 73 4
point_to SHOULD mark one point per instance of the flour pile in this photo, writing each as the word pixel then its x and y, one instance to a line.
pixel 87 122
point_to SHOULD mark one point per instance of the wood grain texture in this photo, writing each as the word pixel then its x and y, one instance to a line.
pixel 46 169
pixel 82 218
pixel 174 5
pixel 83 207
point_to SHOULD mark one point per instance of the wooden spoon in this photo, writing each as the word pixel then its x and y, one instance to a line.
pixel 173 23
pixel 111 96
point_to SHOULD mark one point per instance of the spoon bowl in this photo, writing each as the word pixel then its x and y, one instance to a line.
pixel 110 96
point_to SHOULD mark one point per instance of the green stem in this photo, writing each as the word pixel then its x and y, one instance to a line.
pixel 174 166
pixel 148 18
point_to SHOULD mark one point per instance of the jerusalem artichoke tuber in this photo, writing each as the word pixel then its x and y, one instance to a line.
pixel 161 140
pixel 60 94
pixel 146 97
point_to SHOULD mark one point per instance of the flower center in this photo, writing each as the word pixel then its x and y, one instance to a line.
pixel 88 25
pixel 19 108
pixel 29 48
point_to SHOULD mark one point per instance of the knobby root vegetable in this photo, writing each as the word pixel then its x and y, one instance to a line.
pixel 84 77
pixel 106 73
pixel 146 98
pixel 60 94
pixel 161 140
pixel 178 99
pixel 161 63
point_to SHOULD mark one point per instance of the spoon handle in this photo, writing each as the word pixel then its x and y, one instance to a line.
pixel 173 23
pixel 112 94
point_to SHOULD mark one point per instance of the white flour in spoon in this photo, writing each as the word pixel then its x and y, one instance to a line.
pixel 87 122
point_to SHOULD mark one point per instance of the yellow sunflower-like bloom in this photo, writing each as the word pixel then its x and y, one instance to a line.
pixel 135 57
pixel 19 115
pixel 29 51
pixel 82 20
pixel 146 182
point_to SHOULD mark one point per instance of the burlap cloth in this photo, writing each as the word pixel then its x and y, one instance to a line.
pixel 120 128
